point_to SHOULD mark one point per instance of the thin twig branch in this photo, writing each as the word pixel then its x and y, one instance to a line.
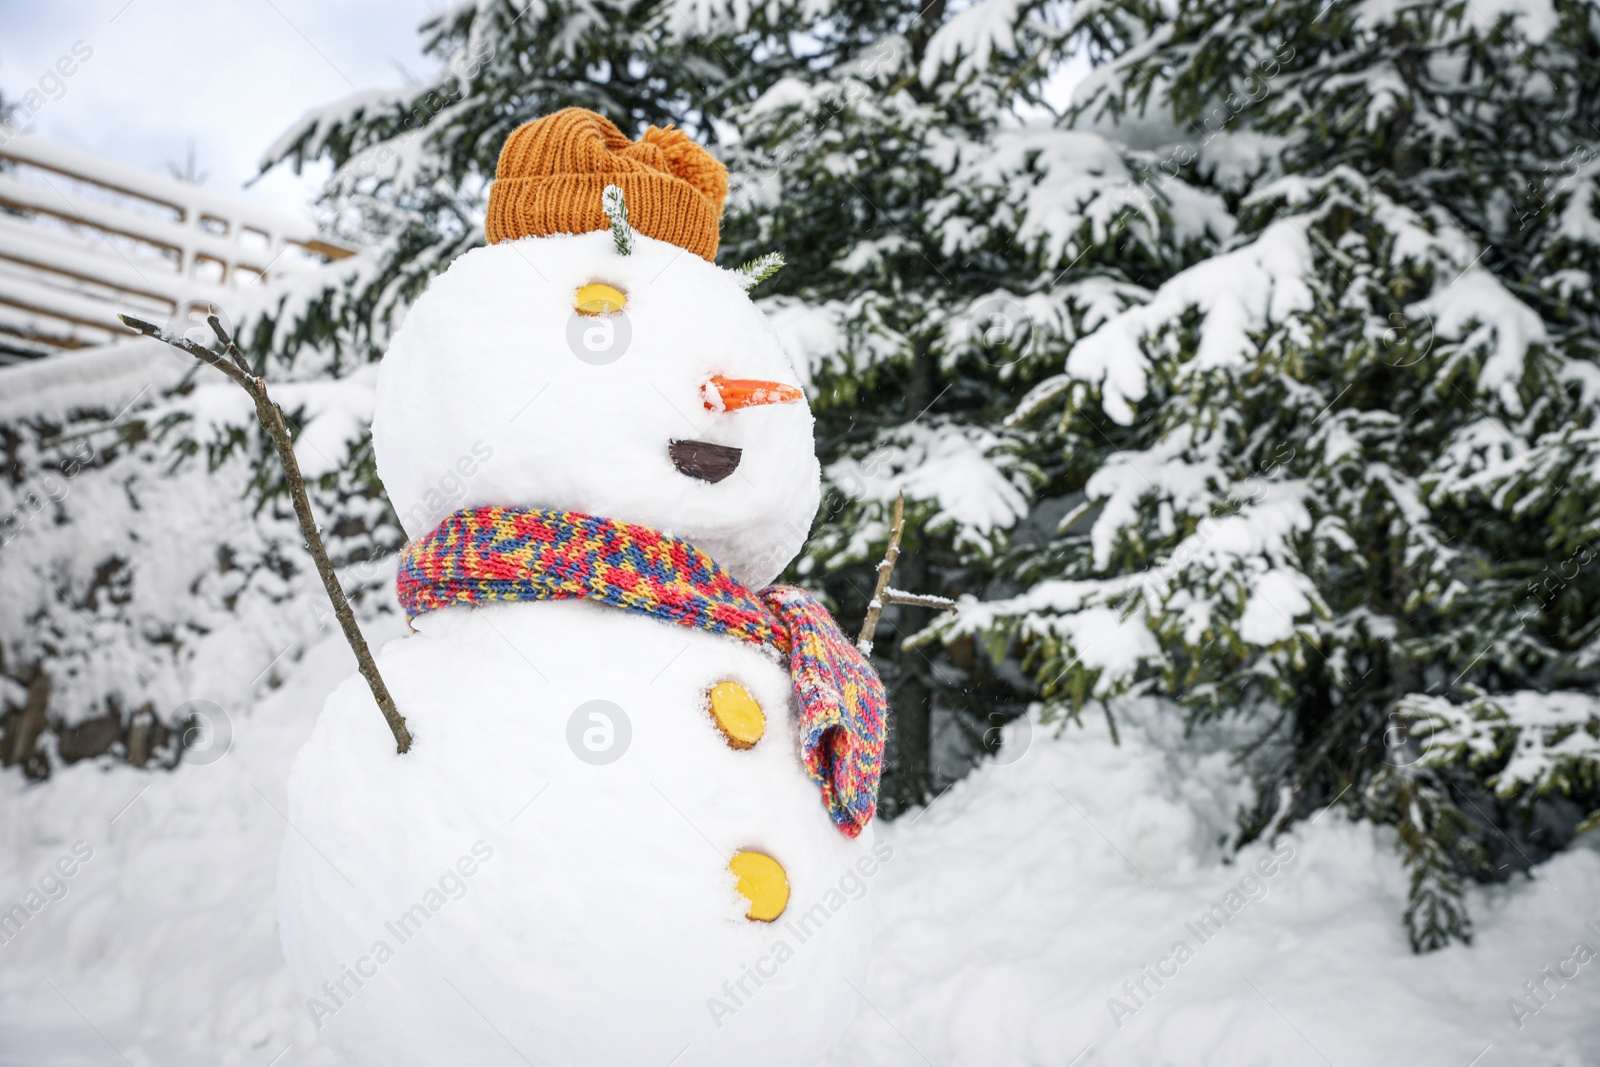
pixel 869 627
pixel 884 593
pixel 227 342
pixel 270 416
pixel 242 378
pixel 916 600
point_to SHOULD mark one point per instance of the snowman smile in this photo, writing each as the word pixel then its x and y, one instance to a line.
pixel 704 460
pixel 712 462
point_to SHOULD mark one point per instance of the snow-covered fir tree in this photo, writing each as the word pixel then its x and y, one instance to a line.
pixel 1338 475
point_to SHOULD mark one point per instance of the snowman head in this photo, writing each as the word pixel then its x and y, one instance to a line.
pixel 552 370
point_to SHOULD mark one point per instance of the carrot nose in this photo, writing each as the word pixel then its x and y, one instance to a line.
pixel 731 394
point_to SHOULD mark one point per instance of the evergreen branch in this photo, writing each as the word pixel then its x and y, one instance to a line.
pixel 616 210
pixel 271 418
pixel 760 269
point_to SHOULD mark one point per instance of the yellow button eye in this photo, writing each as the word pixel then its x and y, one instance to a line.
pixel 597 298
pixel 737 714
pixel 763 883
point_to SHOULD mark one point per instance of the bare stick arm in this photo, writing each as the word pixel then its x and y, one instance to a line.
pixel 271 419
pixel 869 628
pixel 884 593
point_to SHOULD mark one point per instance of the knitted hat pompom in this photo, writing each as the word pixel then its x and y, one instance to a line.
pixel 553 170
pixel 690 162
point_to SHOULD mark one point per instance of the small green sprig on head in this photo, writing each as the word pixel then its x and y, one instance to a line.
pixel 760 269
pixel 616 210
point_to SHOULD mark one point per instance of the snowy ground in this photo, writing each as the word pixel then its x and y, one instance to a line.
pixel 1014 909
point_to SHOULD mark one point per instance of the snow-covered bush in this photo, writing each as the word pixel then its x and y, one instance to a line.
pixel 147 586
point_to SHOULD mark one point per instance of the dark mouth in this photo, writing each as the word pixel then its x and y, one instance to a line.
pixel 704 460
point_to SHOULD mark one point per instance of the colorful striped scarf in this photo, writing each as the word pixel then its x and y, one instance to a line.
pixel 486 554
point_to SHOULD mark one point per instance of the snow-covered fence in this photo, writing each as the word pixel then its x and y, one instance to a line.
pixel 136 568
pixel 82 239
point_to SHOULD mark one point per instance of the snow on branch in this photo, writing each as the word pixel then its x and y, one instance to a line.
pixel 916 600
pixel 968 41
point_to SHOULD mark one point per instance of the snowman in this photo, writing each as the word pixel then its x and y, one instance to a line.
pixel 634 825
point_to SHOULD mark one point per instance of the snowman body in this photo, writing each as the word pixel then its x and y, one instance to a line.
pixel 600 923
pixel 543 878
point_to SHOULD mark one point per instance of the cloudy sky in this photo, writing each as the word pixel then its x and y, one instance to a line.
pixel 228 74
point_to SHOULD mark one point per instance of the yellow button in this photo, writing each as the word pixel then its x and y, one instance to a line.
pixel 597 298
pixel 761 882
pixel 737 714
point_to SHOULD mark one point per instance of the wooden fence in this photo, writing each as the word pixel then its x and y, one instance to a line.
pixel 82 239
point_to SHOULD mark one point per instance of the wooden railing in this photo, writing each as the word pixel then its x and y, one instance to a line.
pixel 82 239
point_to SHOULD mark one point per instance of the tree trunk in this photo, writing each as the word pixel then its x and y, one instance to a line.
pixel 911 709
pixel 911 700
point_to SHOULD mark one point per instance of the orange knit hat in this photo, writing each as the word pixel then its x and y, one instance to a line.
pixel 553 170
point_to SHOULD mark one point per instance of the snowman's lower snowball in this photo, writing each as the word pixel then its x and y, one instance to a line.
pixel 492 898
